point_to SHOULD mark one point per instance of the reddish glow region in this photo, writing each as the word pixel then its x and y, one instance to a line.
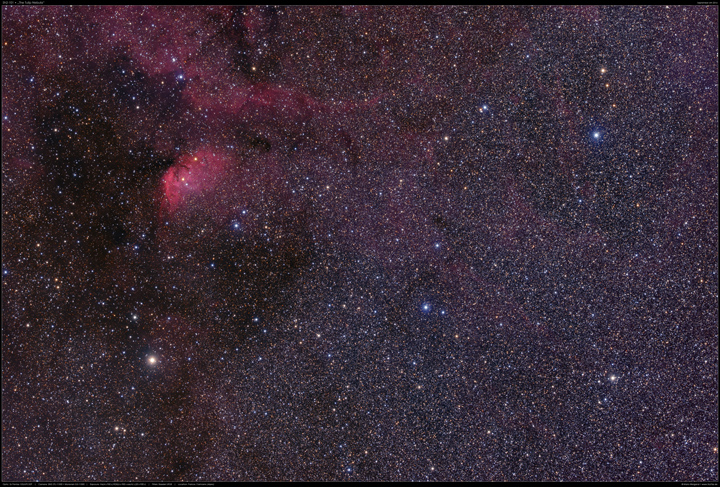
pixel 192 175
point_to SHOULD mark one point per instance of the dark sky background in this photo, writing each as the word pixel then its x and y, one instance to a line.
pixel 359 243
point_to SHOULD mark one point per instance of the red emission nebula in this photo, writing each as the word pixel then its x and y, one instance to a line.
pixel 191 176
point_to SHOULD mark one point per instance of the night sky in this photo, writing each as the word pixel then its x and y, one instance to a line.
pixel 359 243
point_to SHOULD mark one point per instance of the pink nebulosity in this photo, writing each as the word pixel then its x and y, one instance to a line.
pixel 191 176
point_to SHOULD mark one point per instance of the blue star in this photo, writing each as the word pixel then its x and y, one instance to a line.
pixel 598 135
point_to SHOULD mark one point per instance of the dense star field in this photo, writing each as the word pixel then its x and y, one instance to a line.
pixel 359 243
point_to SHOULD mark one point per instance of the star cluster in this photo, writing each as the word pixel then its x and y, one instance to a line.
pixel 359 243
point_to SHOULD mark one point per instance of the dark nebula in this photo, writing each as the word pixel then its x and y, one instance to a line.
pixel 337 243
